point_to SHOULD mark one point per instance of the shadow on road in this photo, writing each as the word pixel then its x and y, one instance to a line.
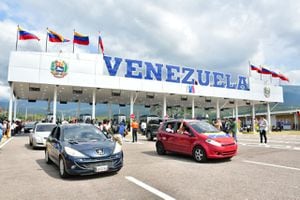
pixel 27 146
pixel 184 158
pixel 53 171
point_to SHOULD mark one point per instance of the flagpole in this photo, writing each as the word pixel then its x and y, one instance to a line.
pixel 249 68
pixel 73 39
pixel 47 40
pixel 17 38
pixel 98 42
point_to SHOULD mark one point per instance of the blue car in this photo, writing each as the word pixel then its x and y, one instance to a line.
pixel 82 149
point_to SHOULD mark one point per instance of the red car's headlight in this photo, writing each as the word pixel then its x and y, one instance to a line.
pixel 213 142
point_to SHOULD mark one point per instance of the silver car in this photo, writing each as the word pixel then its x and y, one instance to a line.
pixel 40 133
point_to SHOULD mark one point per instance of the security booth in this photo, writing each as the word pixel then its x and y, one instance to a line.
pixel 86 118
pixel 117 118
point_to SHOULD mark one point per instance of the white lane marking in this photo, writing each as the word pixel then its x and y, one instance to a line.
pixel 149 188
pixel 271 141
pixel 271 165
pixel 273 146
pixel 7 141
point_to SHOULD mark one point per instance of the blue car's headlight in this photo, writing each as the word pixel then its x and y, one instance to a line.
pixel 118 148
pixel 213 142
pixel 74 153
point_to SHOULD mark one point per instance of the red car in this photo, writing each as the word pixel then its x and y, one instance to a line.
pixel 194 137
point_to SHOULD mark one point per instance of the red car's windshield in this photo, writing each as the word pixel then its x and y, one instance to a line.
pixel 203 127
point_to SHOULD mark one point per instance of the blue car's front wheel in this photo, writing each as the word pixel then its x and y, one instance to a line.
pixel 62 168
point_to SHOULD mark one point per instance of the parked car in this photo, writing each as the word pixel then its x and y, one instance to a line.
pixel 196 138
pixel 144 120
pixel 40 133
pixel 28 127
pixel 82 149
pixel 152 128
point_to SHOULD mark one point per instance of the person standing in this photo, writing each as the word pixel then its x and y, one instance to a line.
pixel 143 127
pixel 1 131
pixel 135 126
pixel 233 127
pixel 218 124
pixel 263 128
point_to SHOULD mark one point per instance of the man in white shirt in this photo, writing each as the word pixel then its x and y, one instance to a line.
pixel 143 127
pixel 263 128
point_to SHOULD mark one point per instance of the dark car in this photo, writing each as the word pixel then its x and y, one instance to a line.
pixel 82 149
pixel 29 126
pixel 152 128
pixel 196 138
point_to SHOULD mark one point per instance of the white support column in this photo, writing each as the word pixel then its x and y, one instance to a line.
pixel 218 109
pixel 269 118
pixel 109 111
pixel 15 108
pixel 193 108
pixel 26 114
pixel 253 117
pixel 295 121
pixel 164 113
pixel 131 109
pixel 237 116
pixel 78 109
pixel 94 106
pixel 54 104
pixel 49 102
pixel 10 105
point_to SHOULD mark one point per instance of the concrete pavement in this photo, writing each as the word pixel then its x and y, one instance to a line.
pixel 257 172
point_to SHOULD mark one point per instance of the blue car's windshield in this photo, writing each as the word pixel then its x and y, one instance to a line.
pixel 203 127
pixel 82 134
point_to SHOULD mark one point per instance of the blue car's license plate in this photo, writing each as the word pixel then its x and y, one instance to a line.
pixel 101 168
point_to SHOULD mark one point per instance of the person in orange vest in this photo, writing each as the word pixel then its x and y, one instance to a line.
pixel 135 126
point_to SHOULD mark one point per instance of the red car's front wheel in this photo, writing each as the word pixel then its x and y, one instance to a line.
pixel 199 154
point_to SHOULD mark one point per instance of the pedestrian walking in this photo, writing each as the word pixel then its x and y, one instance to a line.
pixel 263 128
pixel 135 126
pixel 122 128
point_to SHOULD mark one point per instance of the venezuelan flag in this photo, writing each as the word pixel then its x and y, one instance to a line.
pixel 24 35
pixel 55 37
pixel 275 75
pixel 265 71
pixel 80 39
pixel 255 68
pixel 284 78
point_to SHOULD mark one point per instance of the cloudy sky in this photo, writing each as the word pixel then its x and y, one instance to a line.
pixel 213 35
